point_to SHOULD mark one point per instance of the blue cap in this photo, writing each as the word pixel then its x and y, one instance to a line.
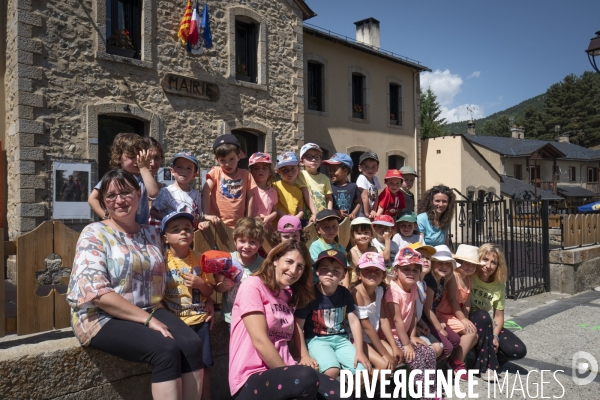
pixel 188 155
pixel 172 216
pixel 340 158
pixel 309 146
pixel 286 159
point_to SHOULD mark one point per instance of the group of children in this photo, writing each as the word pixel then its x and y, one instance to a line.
pixel 388 299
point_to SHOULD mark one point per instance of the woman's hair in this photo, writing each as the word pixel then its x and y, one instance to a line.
pixel 276 237
pixel 500 275
pixel 271 177
pixel 249 227
pixel 154 143
pixel 122 179
pixel 358 281
pixel 426 205
pixel 126 143
pixel 302 290
pixel 354 228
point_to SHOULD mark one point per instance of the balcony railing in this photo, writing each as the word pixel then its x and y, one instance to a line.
pixel 549 186
pixel 593 187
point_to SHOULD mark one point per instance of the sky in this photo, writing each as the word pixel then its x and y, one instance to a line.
pixel 486 55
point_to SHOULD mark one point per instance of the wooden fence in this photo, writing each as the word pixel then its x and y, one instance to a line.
pixel 580 230
pixel 40 311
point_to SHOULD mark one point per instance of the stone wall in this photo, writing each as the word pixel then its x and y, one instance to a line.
pixel 59 79
pixel 575 270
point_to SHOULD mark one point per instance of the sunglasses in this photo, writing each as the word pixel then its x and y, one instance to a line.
pixel 441 188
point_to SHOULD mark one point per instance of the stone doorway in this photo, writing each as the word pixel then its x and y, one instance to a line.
pixel 250 142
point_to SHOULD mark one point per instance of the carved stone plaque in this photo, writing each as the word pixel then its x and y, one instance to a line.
pixel 185 86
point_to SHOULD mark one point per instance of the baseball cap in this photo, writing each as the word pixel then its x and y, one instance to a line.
pixel 286 159
pixel 408 217
pixel 228 139
pixel 368 155
pixel 393 173
pixel 443 253
pixel 188 155
pixel 361 221
pixel 285 221
pixel 408 256
pixel 407 170
pixel 175 214
pixel 371 259
pixel 334 255
pixel 309 146
pixel 326 213
pixel 419 245
pixel 340 158
pixel 384 220
pixel 259 158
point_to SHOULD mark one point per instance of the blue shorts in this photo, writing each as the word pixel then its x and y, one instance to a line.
pixel 203 331
pixel 335 351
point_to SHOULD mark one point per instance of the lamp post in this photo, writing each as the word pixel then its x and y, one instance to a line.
pixel 593 51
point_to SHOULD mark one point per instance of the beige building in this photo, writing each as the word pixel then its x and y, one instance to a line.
pixel 361 98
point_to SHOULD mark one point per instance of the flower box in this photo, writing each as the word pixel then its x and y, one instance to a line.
pixel 393 122
pixel 357 115
pixel 118 51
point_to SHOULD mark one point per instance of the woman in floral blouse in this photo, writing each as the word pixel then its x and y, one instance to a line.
pixel 115 292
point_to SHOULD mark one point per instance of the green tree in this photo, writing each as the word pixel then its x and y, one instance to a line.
pixel 533 123
pixel 431 123
pixel 497 127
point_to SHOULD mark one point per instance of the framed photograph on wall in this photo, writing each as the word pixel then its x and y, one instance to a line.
pixel 71 187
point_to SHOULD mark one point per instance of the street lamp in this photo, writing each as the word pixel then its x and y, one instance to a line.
pixel 594 50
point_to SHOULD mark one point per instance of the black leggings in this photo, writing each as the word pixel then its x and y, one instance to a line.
pixel 135 342
pixel 510 347
pixel 297 381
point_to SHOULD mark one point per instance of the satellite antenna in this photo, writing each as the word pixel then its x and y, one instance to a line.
pixel 470 111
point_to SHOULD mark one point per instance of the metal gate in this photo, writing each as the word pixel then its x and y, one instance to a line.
pixel 519 226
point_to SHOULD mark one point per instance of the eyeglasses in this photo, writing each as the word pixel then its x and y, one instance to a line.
pixel 441 188
pixel 112 197
pixel 312 158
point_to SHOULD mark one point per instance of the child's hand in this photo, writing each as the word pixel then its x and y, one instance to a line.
pixel 469 327
pixel 409 353
pixel 309 362
pixel 372 214
pixel 143 159
pixel 418 340
pixel 398 354
pixel 213 219
pixel 389 361
pixel 364 360
pixel 227 283
pixel 204 225
pixel 387 234
pixel 496 344
pixel 352 216
pixel 312 219
pixel 209 307
pixel 343 214
pixel 192 280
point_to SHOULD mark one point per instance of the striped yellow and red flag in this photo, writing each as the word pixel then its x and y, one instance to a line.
pixel 184 26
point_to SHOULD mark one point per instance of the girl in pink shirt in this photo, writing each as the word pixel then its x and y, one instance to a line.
pixel 262 324
pixel 265 195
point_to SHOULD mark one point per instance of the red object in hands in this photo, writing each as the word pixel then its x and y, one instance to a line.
pixel 220 262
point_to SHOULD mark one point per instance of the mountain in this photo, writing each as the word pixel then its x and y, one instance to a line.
pixel 515 111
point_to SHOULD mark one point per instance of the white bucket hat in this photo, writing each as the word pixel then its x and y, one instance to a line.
pixel 443 253
pixel 468 253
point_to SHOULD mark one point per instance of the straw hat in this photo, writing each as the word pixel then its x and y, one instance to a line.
pixel 468 253
pixel 443 253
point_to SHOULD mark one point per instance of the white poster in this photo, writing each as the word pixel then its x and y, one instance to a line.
pixel 71 190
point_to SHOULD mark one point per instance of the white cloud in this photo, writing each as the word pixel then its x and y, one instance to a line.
pixel 444 84
pixel 461 113
pixel 474 75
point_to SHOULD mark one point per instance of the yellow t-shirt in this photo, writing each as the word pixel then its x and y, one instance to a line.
pixel 318 185
pixel 289 197
pixel 183 301
pixel 485 296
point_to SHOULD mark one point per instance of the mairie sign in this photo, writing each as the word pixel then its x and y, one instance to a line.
pixel 184 86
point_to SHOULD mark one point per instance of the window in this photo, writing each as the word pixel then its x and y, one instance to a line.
pixel 572 174
pixel 395 104
pixel 358 96
pixel 592 175
pixel 534 173
pixel 123 28
pixel 108 128
pixel 246 45
pixel 315 86
pixel 518 174
pixel 250 144
pixel 395 162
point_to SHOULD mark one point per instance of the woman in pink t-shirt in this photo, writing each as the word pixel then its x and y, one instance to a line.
pixel 262 324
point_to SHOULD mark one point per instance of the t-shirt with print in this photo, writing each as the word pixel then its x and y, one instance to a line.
pixel 264 200
pixel 172 198
pixel 403 241
pixel 143 212
pixel 326 315
pixel 438 291
pixel 244 359
pixel 107 260
pixel 380 246
pixel 187 303
pixel 345 197
pixel 289 198
pixel 487 296
pixel 406 300
pixel 229 194
pixel 392 203
pixel 230 295
pixel 372 189
pixel 318 185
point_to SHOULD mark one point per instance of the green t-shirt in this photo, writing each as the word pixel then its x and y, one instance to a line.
pixel 485 296
pixel 229 296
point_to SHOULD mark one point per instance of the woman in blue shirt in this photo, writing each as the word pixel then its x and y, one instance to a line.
pixel 435 215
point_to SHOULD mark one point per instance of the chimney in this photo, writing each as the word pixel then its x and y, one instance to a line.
pixel 517 133
pixel 471 128
pixel 367 32
pixel 564 138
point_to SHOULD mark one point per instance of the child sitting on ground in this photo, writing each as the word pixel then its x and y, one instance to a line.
pixel 187 287
pixel 227 194
pixel 265 196
pixel 406 226
pixel 391 200
pixel 368 184
pixel 323 321
pixel 289 197
pixel 408 180
pixel 383 226
pixel 315 186
pixel 361 234
pixel 346 197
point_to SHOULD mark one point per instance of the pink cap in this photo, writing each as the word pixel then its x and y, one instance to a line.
pixel 289 224
pixel 384 220
pixel 371 259
pixel 259 158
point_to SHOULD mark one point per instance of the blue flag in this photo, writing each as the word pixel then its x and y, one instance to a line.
pixel 205 24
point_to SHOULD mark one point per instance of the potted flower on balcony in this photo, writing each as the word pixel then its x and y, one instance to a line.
pixel 120 44
pixel 241 73
pixel 393 120
pixel 357 111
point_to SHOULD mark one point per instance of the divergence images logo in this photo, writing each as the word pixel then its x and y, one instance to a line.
pixel 580 367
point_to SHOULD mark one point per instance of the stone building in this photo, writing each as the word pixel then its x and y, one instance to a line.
pixel 68 87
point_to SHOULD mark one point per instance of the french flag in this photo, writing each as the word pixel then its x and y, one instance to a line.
pixel 194 24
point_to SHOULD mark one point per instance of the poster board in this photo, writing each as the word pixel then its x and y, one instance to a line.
pixel 71 187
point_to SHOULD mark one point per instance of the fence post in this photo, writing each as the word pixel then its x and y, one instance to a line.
pixel 545 245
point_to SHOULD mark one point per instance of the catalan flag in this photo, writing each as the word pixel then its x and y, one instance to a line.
pixel 184 26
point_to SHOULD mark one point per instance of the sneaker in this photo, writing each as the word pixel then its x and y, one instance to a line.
pixel 459 369
pixel 488 376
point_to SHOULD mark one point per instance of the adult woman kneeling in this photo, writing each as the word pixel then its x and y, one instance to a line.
pixel 262 324
pixel 115 293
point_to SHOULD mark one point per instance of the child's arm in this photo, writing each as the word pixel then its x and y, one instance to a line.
pixel 431 315
pixel 271 217
pixel 206 190
pixel 387 242
pixel 209 307
pixel 305 358
pixel 250 203
pixel 379 210
pixel 329 200
pixel 364 197
pixel 396 314
pixel 154 213
pixel 355 210
pixel 498 325
pixel 356 330
pixel 223 284
pixel 95 204
pixel 451 286
pixel 196 282
pixel 414 336
pixel 143 162
pixel 309 202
